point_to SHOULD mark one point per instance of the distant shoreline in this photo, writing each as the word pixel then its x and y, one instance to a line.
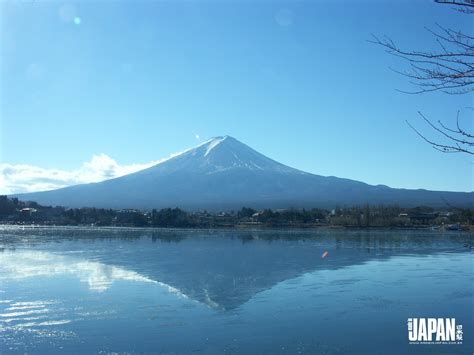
pixel 232 228
pixel 16 212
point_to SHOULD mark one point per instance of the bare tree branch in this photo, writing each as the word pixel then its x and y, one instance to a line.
pixel 443 132
pixel 450 70
pixel 467 3
pixel 458 129
pixel 462 5
pixel 441 147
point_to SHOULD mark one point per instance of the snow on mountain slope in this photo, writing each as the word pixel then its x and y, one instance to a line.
pixel 219 154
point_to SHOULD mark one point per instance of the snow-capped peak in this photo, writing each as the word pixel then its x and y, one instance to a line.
pixel 220 154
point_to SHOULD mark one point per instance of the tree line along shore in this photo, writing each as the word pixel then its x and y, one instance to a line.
pixel 14 211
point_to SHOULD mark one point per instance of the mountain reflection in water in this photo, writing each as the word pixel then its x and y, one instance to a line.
pixel 115 290
pixel 222 269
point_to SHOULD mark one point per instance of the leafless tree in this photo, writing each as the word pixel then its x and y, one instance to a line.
pixel 450 69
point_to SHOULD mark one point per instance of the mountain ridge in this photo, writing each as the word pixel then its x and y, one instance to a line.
pixel 223 174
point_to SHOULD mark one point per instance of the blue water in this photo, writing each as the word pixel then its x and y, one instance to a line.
pixel 73 290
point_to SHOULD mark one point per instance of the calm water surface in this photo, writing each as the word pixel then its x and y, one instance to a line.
pixel 72 290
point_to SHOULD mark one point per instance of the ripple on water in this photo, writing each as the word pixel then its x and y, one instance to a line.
pixel 43 324
pixel 36 320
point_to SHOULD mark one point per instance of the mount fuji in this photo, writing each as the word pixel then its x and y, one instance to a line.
pixel 223 174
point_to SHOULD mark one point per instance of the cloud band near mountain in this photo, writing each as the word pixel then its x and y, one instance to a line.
pixel 19 178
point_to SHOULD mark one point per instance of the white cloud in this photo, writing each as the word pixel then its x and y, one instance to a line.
pixel 28 178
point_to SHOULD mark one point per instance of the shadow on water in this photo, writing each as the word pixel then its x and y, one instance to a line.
pixel 221 269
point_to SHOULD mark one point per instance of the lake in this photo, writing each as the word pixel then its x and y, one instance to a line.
pixel 79 290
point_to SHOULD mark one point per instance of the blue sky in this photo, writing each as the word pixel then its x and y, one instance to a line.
pixel 297 81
